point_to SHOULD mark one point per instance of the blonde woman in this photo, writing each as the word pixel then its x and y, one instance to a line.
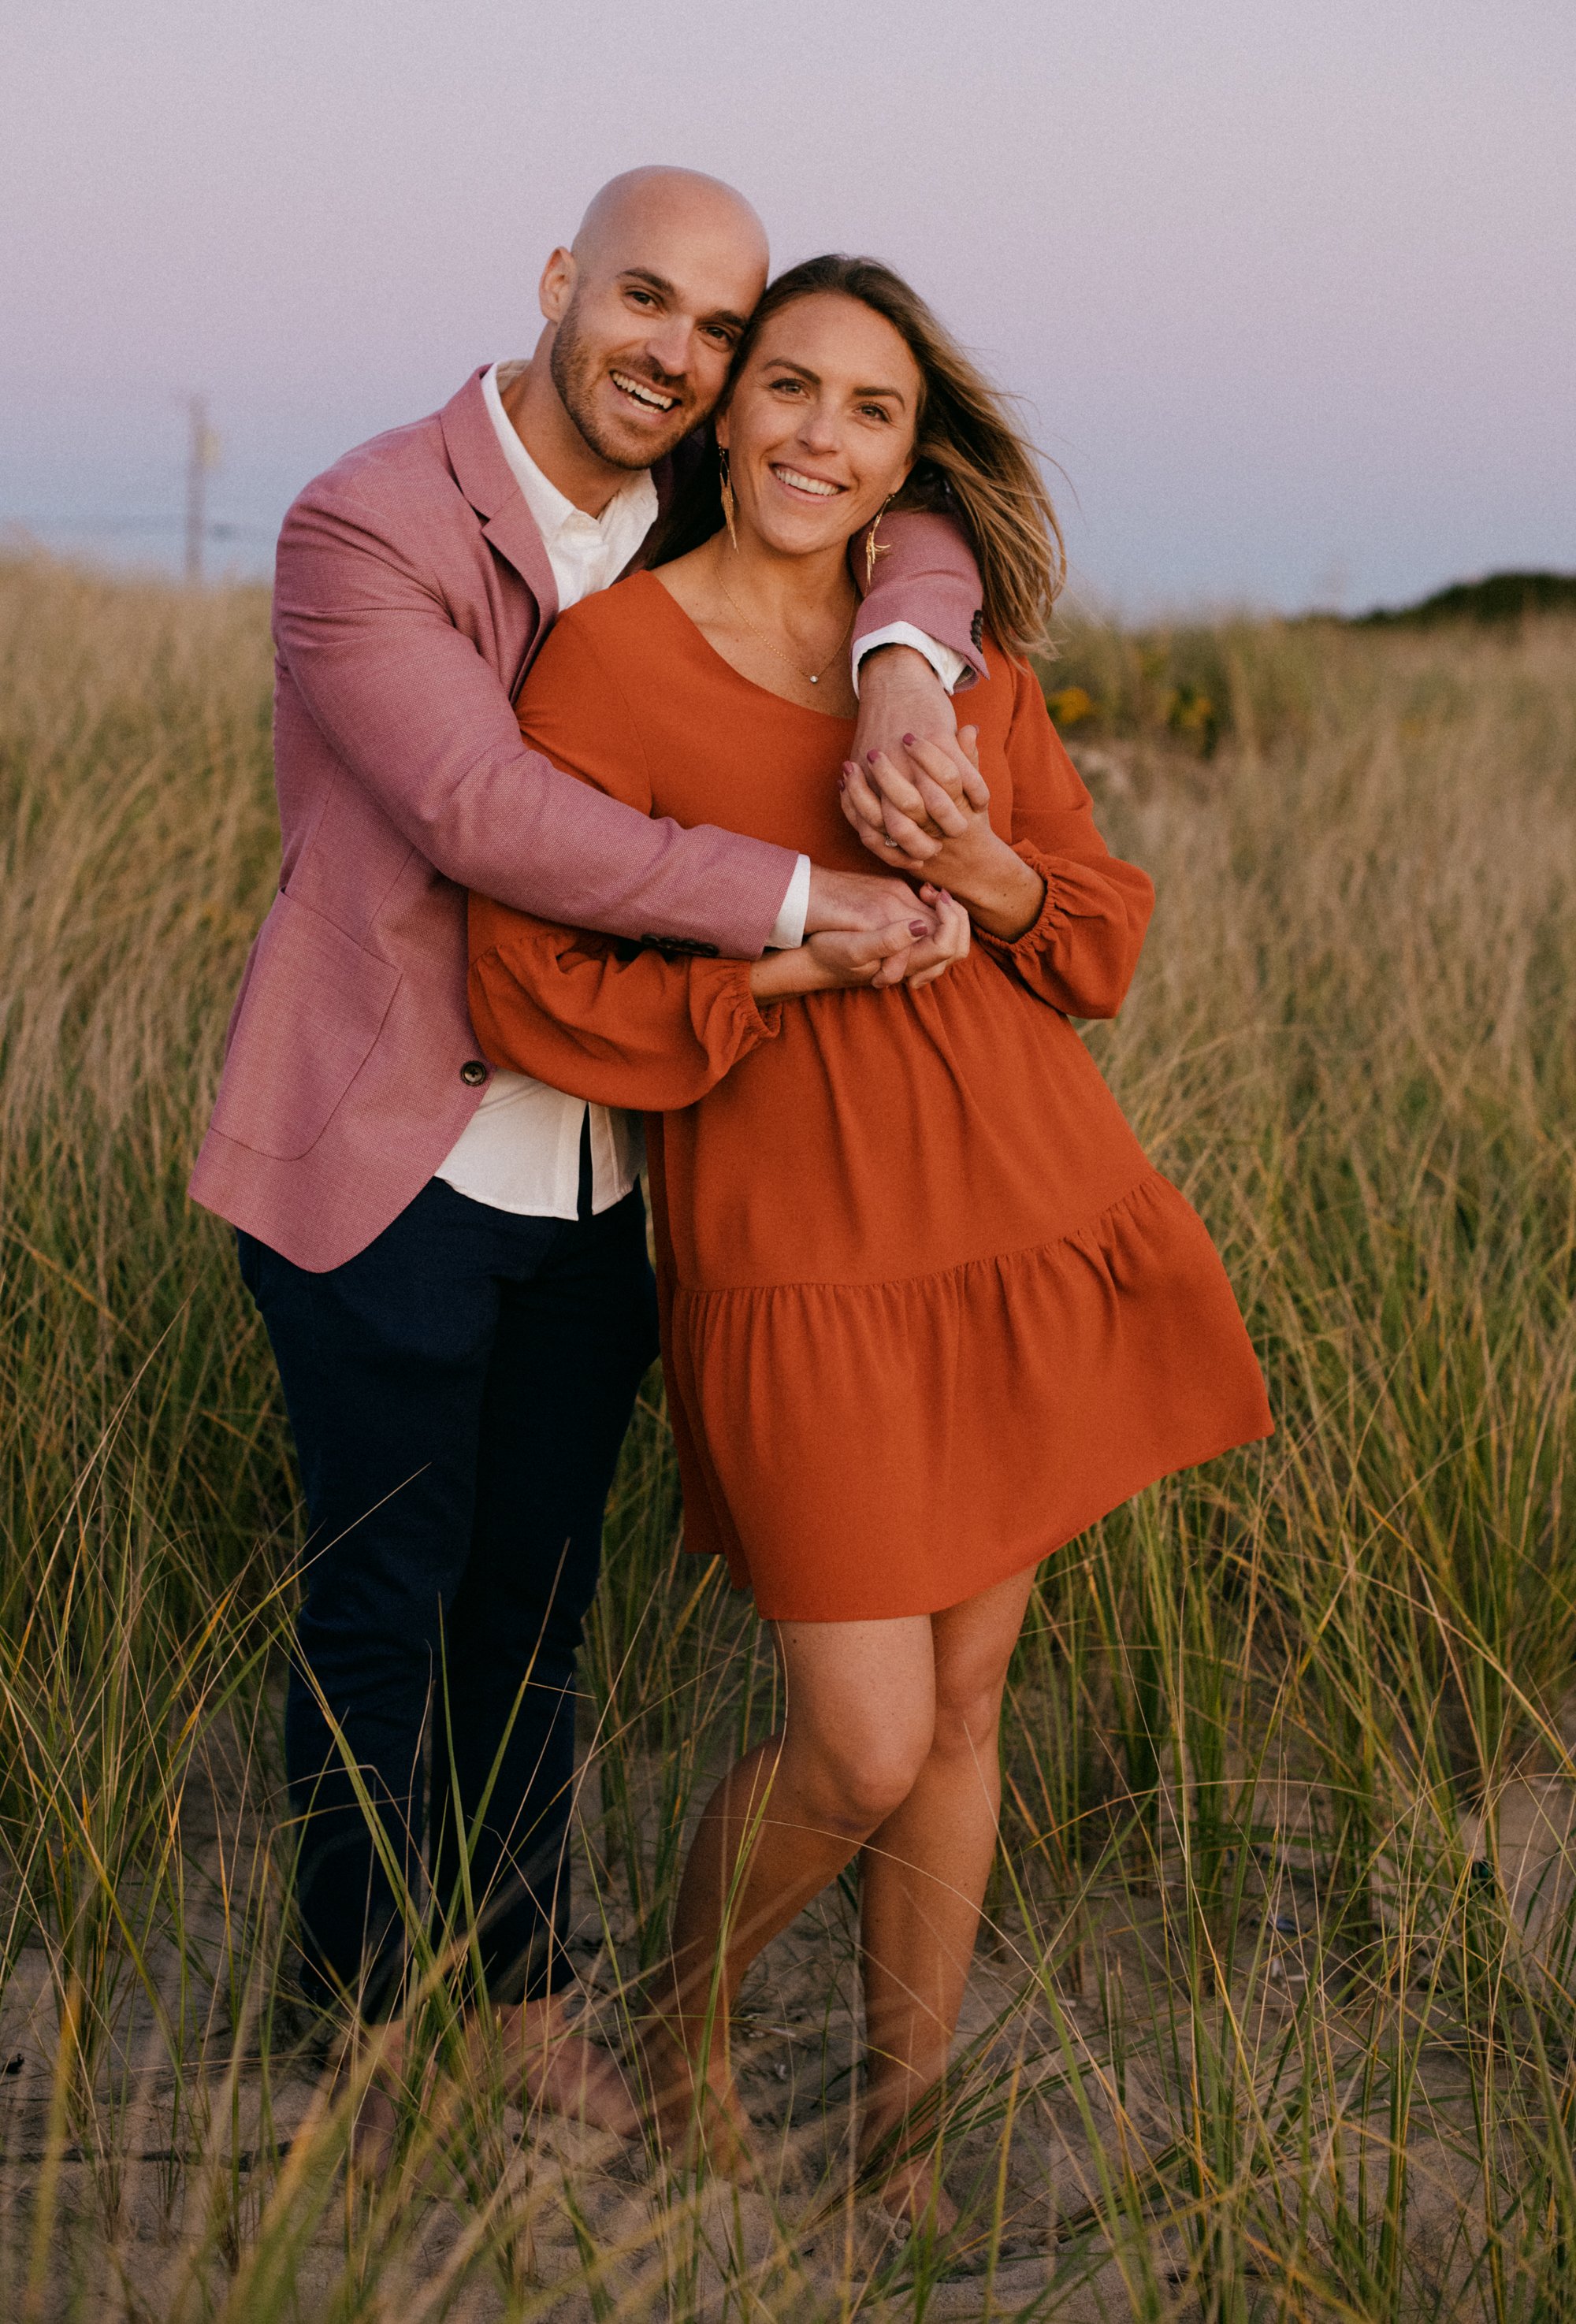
pixel 928 1310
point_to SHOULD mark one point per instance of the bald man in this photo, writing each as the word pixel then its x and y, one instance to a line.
pixel 451 1259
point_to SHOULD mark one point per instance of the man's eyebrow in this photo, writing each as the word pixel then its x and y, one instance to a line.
pixel 788 364
pixel 657 283
pixel 666 290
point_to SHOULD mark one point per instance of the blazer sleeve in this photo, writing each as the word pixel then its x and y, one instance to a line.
pixel 1084 947
pixel 622 1024
pixel 927 576
pixel 422 721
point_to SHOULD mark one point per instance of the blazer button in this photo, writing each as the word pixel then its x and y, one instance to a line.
pixel 473 1071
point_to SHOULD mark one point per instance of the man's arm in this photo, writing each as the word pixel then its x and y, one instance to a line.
pixel 925 588
pixel 926 584
pixel 424 724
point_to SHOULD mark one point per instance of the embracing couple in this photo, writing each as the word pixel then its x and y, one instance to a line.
pixel 627 822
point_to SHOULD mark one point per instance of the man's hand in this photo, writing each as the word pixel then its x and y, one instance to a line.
pixel 859 900
pixel 912 950
pixel 858 903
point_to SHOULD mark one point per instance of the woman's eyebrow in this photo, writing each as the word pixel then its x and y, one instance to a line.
pixel 786 362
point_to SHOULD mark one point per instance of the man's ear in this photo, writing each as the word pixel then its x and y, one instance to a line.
pixel 557 286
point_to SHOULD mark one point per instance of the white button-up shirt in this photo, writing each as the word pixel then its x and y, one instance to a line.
pixel 521 1149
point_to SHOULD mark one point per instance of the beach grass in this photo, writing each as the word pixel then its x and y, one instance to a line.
pixel 1276 2012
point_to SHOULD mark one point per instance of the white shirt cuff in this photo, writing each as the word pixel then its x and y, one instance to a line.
pixel 788 928
pixel 947 665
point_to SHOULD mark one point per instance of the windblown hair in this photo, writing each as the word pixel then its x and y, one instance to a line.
pixel 971 462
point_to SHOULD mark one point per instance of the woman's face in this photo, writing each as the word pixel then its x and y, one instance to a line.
pixel 820 429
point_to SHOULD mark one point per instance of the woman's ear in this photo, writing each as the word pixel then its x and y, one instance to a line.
pixel 719 430
pixel 903 481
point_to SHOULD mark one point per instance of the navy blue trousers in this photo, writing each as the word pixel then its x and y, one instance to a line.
pixel 457 1392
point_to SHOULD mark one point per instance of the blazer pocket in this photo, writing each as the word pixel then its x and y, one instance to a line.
pixel 312 1006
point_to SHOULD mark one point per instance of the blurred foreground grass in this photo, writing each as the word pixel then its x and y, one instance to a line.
pixel 1276 2016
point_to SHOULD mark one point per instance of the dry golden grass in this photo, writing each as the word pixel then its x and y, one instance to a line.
pixel 1276 2016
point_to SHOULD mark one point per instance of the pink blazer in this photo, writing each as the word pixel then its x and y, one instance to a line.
pixel 411 590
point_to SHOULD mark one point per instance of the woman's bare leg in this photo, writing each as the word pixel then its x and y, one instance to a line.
pixel 861 1710
pixel 923 1875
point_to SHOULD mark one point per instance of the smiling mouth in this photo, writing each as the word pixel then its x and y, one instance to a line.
pixel 813 487
pixel 641 391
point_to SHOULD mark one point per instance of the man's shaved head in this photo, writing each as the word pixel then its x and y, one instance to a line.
pixel 644 310
pixel 630 207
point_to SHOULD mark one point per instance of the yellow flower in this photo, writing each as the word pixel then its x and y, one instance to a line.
pixel 1189 711
pixel 1068 706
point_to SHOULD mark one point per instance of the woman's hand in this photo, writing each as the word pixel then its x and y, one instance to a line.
pixel 940 824
pixel 912 952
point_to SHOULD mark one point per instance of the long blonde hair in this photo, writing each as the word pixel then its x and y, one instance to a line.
pixel 970 461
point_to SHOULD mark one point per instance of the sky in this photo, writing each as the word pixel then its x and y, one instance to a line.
pixel 1288 287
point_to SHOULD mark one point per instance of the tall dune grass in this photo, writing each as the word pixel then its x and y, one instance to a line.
pixel 1275 2015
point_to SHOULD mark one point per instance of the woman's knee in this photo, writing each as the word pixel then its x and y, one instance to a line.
pixel 968 1713
pixel 852 1780
pixel 974 1648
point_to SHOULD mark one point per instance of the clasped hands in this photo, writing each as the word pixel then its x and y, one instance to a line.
pixel 932 823
pixel 907 935
pixel 922 809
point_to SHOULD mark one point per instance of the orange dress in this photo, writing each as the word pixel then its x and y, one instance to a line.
pixel 927 1309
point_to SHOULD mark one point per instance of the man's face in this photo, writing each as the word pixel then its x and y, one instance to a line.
pixel 645 331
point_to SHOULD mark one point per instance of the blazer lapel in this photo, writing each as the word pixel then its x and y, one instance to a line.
pixel 512 530
pixel 483 475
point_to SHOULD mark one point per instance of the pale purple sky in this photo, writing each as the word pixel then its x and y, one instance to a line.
pixel 1289 285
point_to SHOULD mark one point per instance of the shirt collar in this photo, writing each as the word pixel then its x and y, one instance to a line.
pixel 630 514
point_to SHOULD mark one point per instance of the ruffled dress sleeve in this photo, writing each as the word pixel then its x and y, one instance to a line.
pixel 614 1023
pixel 1083 946
pixel 648 1027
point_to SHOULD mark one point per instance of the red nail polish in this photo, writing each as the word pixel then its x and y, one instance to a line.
pixel 908 742
pixel 870 758
pixel 918 928
pixel 842 783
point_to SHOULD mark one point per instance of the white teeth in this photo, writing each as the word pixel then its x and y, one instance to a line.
pixel 803 484
pixel 642 394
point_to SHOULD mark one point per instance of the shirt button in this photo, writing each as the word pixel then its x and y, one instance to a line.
pixel 473 1071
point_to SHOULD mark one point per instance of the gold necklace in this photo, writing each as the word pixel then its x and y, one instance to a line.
pixel 814 676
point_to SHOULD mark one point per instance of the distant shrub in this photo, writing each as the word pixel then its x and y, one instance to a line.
pixel 1498 597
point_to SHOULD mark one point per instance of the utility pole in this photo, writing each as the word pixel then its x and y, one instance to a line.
pixel 201 460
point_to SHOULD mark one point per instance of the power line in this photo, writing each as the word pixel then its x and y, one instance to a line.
pixel 218 528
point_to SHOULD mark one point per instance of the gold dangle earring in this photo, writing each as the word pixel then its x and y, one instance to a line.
pixel 871 551
pixel 725 486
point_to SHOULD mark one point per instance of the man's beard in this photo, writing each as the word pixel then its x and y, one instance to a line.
pixel 577 370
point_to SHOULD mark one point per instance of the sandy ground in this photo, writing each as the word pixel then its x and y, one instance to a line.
pixel 169 2171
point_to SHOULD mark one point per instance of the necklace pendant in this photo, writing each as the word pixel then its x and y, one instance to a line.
pixel 815 681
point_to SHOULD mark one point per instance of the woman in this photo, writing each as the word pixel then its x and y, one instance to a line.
pixel 928 1310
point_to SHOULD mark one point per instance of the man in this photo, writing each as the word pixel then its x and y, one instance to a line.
pixel 450 1261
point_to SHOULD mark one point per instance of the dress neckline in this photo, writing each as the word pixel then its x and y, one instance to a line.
pixel 752 685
